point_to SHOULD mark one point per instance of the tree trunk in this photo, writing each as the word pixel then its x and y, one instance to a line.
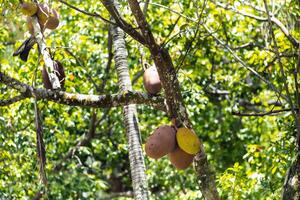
pixel 137 165
pixel 291 187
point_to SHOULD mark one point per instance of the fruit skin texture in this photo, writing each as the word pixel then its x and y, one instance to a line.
pixel 60 73
pixel 180 159
pixel 53 20
pixel 29 8
pixel 151 80
pixel 188 141
pixel 161 142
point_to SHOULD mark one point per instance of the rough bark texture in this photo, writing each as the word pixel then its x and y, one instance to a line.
pixel 137 165
pixel 72 99
pixel 291 187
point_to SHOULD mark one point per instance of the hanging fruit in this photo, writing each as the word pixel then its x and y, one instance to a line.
pixel 180 159
pixel 151 80
pixel 188 141
pixel 161 142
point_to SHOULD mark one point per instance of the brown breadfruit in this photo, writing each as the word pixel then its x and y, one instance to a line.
pixel 43 13
pixel 180 159
pixel 161 142
pixel 59 72
pixel 53 20
pixel 151 80
pixel 29 8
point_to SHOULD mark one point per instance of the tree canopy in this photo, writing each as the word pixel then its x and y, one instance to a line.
pixel 236 64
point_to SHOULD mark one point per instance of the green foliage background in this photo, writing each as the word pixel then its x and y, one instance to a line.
pixel 251 155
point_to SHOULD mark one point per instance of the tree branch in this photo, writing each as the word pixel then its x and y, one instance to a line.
pixel 49 64
pixel 13 100
pixel 122 23
pixel 271 112
pixel 290 101
pixel 97 101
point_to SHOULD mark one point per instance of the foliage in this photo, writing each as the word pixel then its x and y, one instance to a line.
pixel 251 155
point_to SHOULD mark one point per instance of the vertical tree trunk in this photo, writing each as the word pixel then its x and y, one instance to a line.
pixel 291 187
pixel 137 165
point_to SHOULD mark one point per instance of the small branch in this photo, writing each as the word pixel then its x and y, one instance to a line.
pixel 84 141
pixel 273 19
pixel 79 62
pixel 86 13
pixel 137 76
pixel 41 151
pixel 244 64
pixel 143 24
pixel 119 20
pixel 109 61
pixel 13 100
pixel 248 45
pixel 290 101
pixel 272 112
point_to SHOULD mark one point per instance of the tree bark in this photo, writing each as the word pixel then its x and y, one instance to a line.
pixel 137 165
pixel 291 187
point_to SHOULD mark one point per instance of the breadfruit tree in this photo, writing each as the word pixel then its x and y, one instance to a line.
pixel 224 72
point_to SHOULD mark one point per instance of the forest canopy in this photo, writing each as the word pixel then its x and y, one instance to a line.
pixel 104 78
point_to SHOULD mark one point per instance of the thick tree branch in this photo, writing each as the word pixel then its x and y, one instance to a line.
pixel 165 68
pixel 49 64
pixel 97 101
pixel 122 23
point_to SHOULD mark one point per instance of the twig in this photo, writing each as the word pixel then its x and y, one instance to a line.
pixel 272 112
pixel 245 65
pixel 109 61
pixel 270 17
pixel 282 69
pixel 13 100
pixel 79 62
pixel 190 43
pixel 86 13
